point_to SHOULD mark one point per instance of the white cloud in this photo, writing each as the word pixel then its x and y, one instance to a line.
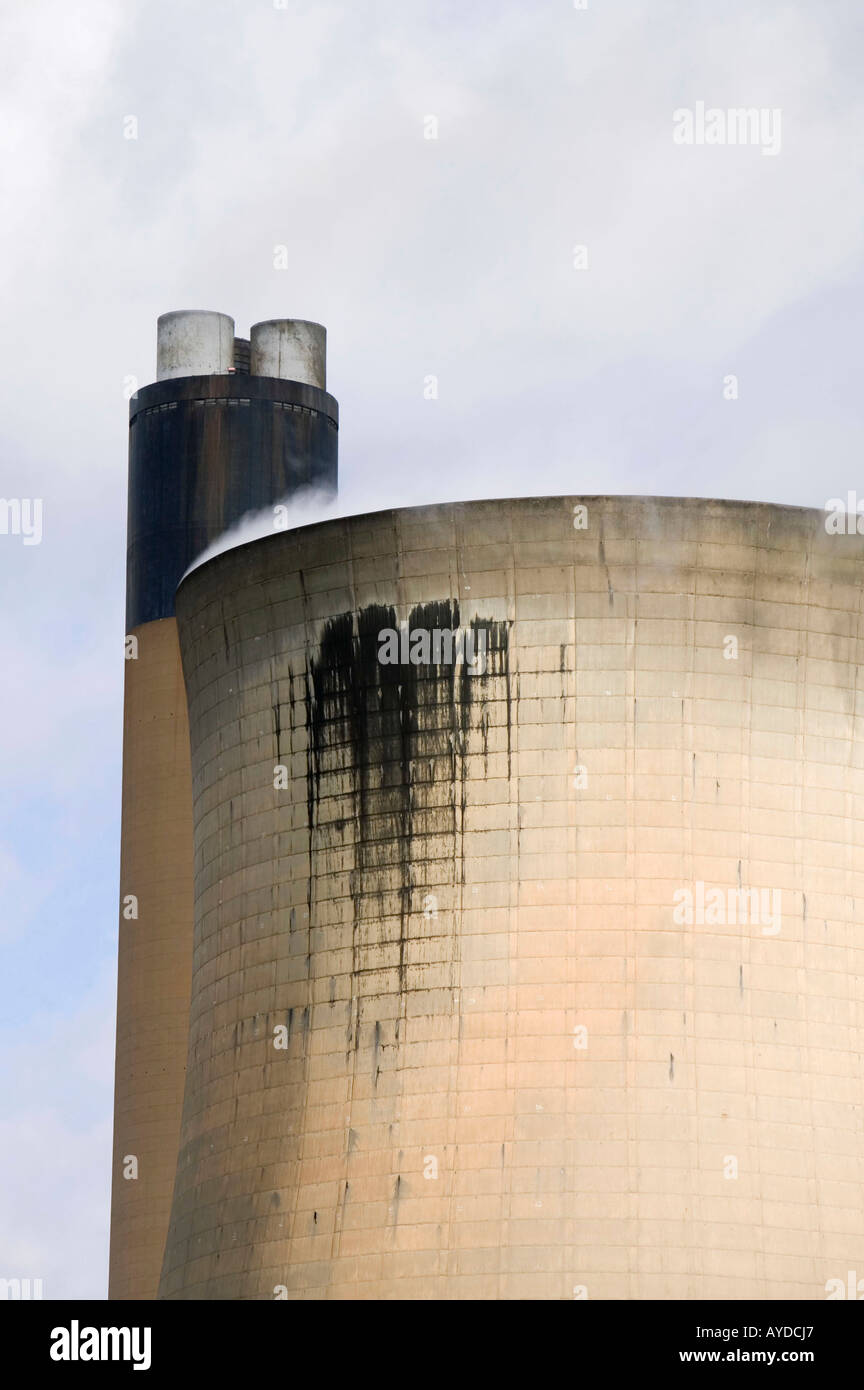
pixel 55 1138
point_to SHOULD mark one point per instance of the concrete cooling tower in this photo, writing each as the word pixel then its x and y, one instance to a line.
pixel 525 844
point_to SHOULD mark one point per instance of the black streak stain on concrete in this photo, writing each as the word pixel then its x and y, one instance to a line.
pixel 376 1047
pixel 395 737
pixel 397 1192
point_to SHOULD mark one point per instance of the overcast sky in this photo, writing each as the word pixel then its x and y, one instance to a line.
pixel 303 128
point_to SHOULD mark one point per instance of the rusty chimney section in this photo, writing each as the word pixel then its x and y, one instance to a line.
pixel 209 441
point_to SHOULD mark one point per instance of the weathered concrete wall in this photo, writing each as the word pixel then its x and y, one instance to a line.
pixel 154 959
pixel 451 1036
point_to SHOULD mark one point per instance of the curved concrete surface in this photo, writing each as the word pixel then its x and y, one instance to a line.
pixel 543 980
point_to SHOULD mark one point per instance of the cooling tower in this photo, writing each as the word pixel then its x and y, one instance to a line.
pixel 528 906
pixel 208 442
